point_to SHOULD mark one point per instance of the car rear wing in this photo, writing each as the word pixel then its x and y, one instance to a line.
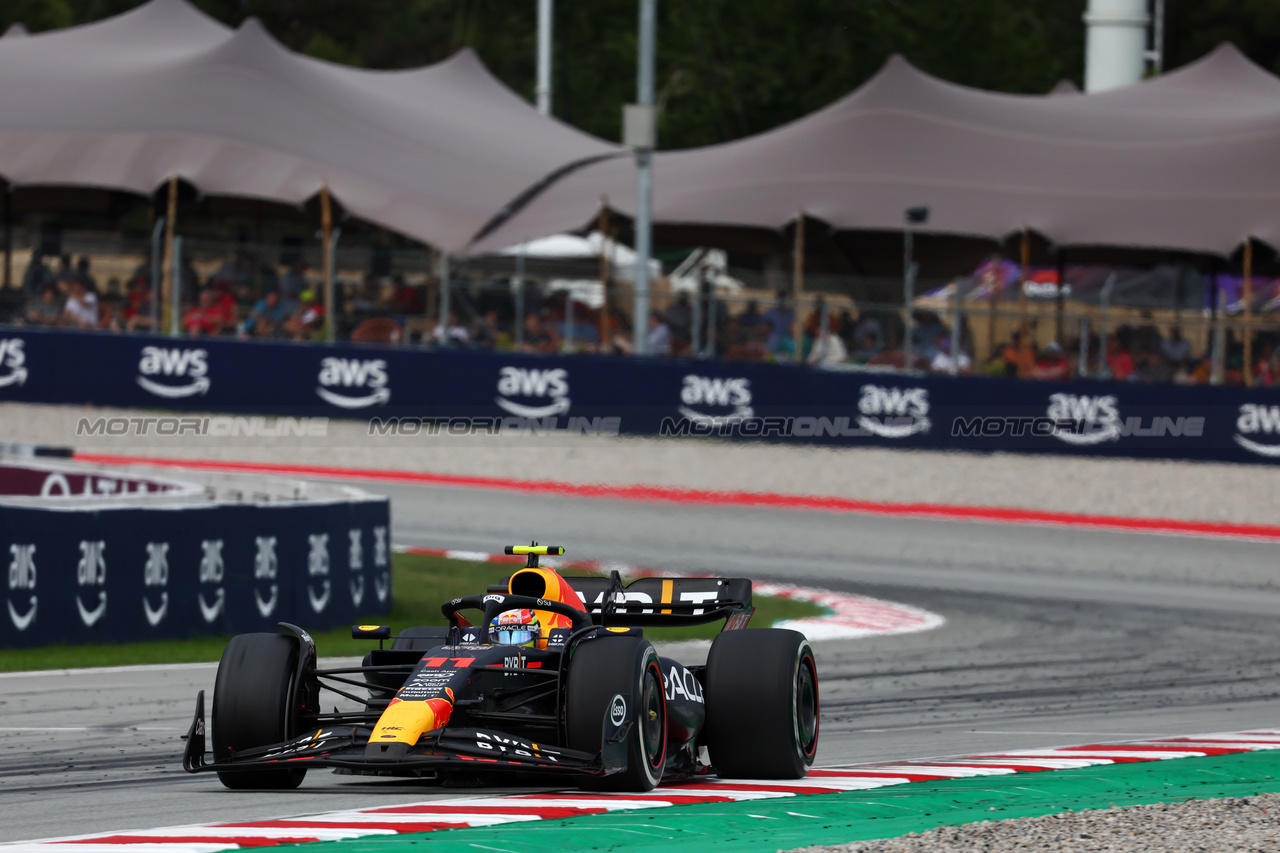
pixel 657 602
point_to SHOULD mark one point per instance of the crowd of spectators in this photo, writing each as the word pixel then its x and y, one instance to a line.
pixel 239 298
pixel 247 299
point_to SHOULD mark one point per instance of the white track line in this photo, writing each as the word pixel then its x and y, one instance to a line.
pixel 492 811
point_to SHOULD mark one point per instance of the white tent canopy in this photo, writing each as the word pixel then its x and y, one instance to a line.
pixel 434 153
pixel 1186 162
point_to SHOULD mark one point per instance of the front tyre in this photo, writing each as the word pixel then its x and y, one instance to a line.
pixel 600 670
pixel 762 704
pixel 254 705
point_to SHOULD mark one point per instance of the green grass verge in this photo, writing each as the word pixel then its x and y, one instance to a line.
pixel 420 585
pixel 787 823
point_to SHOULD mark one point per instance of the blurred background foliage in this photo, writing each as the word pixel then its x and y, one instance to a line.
pixel 726 68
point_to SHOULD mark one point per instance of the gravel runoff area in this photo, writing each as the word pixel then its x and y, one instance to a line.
pixel 1125 487
pixel 1227 825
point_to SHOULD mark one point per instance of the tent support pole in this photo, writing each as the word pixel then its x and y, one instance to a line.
pixel 157 274
pixel 8 235
pixel 604 274
pixel 1084 348
pixel 518 298
pixel 1024 328
pixel 908 295
pixel 444 298
pixel 997 284
pixel 1248 310
pixel 326 237
pixel 957 325
pixel 1217 365
pixel 1059 326
pixel 1104 327
pixel 175 310
pixel 797 287
pixel 169 284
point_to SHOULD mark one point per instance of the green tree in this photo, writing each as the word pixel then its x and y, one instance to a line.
pixel 726 68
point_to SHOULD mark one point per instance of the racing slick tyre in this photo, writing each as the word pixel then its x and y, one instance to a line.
pixel 601 670
pixel 253 705
pixel 761 690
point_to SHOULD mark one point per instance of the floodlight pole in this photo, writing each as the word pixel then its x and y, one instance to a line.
pixel 546 16
pixel 644 170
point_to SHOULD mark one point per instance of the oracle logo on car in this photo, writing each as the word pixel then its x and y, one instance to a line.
pixel 716 393
pixel 354 374
pixel 13 359
pixel 177 364
pixel 532 383
pixel 1258 420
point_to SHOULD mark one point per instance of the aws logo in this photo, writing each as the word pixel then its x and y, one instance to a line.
pixel 155 575
pixel 1255 420
pixel 716 393
pixel 533 384
pixel 212 573
pixel 176 365
pixel 345 381
pixel 91 575
pixel 265 568
pixel 22 580
pixel 1098 417
pixel 893 412
pixel 12 359
pixel 318 567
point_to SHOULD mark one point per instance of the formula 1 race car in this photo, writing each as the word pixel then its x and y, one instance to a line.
pixel 555 678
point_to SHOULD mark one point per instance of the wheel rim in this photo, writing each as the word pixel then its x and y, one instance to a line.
pixel 653 722
pixel 807 706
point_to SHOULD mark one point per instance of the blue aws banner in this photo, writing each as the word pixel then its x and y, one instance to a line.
pixel 79 576
pixel 404 391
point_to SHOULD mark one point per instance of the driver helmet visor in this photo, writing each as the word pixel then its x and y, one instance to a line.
pixel 517 635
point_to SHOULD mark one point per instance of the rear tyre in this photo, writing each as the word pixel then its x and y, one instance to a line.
pixel 599 670
pixel 253 705
pixel 762 704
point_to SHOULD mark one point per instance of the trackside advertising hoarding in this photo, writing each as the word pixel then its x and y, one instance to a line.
pixel 92 575
pixel 408 391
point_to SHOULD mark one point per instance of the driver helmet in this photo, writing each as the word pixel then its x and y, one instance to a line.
pixel 515 628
